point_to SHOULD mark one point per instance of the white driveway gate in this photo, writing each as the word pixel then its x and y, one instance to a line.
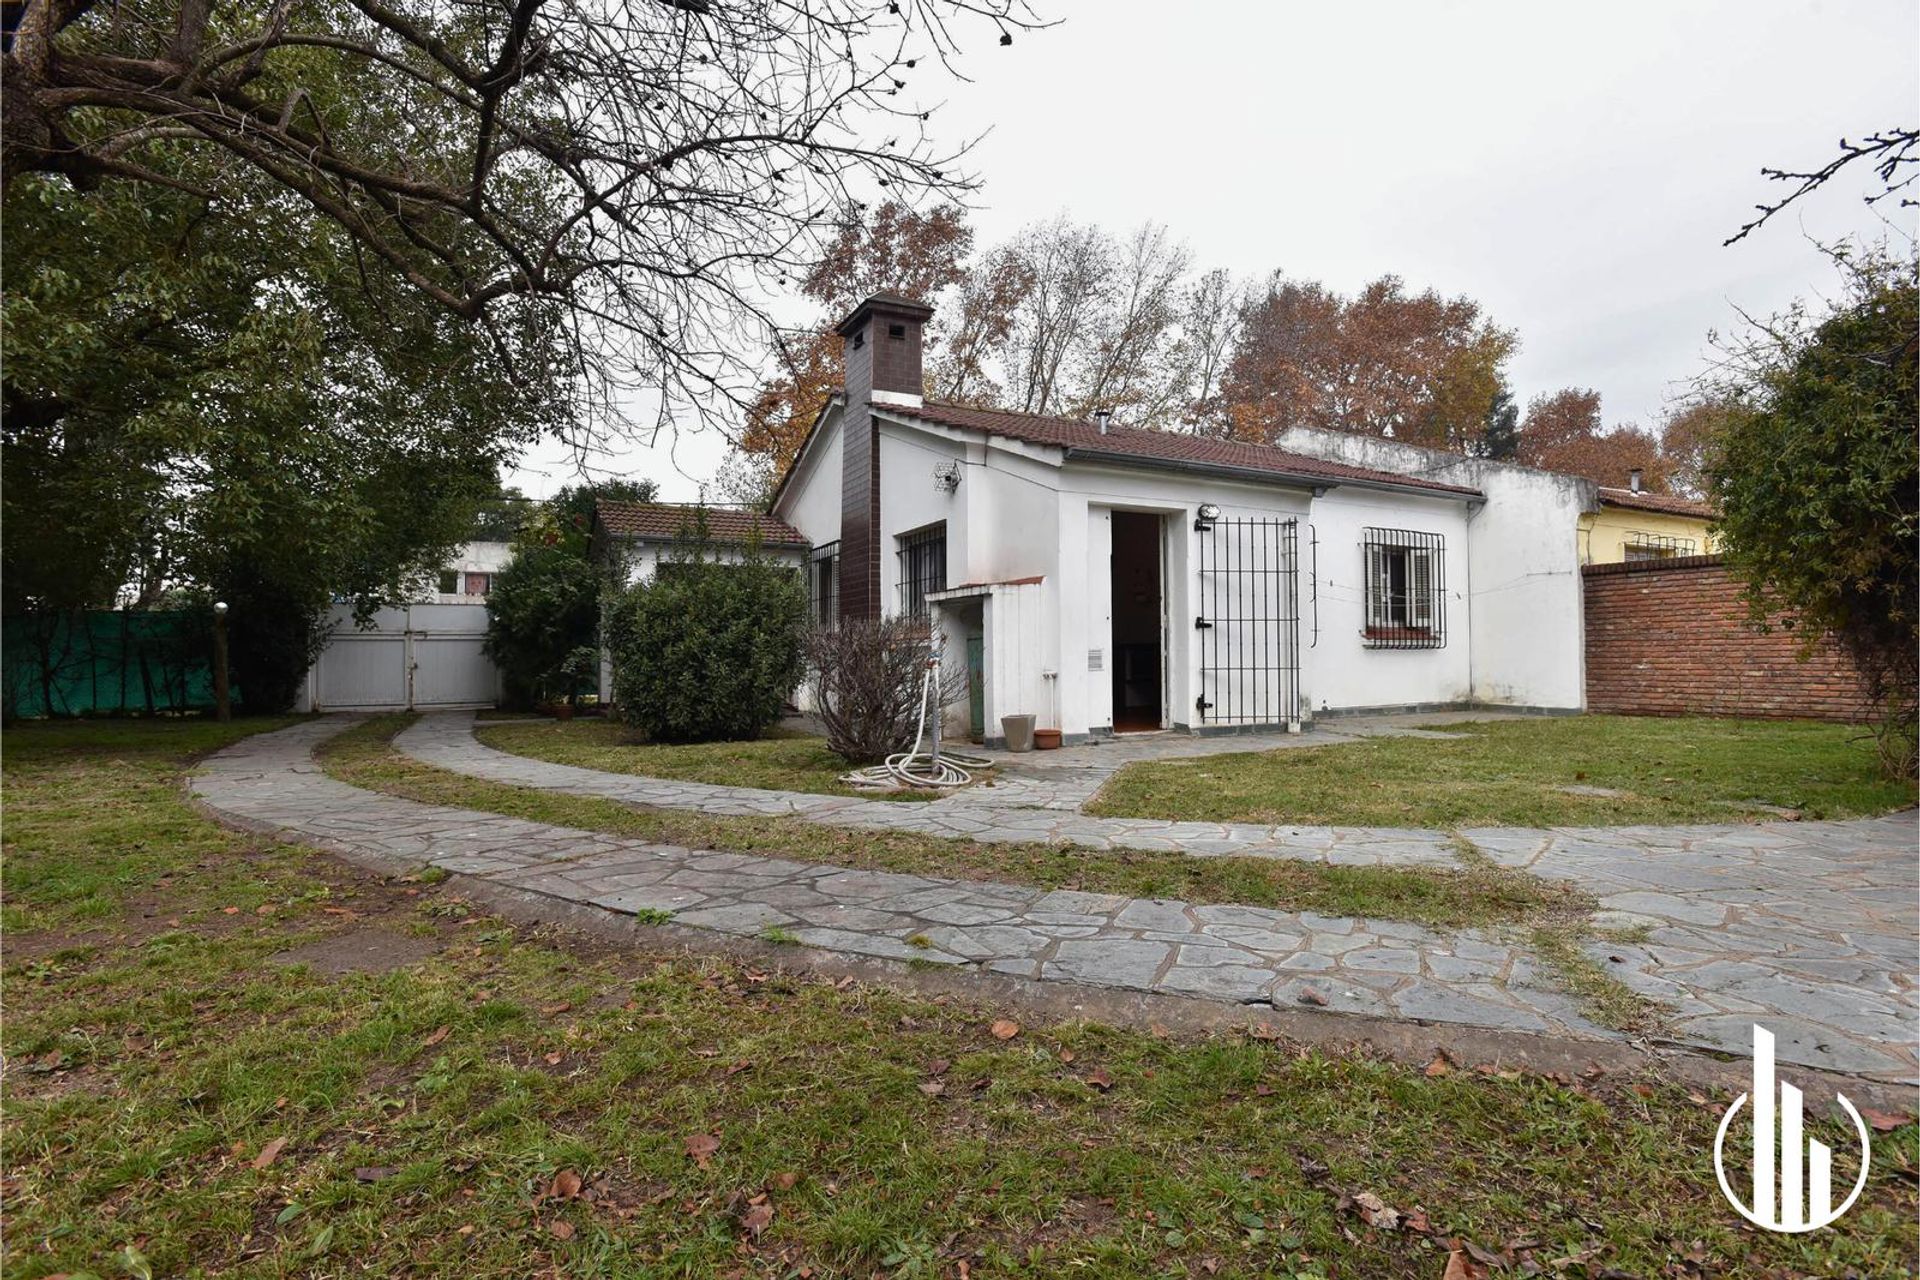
pixel 421 657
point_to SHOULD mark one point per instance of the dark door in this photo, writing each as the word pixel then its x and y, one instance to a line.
pixel 976 689
pixel 1138 622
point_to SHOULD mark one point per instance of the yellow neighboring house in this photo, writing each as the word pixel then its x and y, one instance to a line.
pixel 1632 524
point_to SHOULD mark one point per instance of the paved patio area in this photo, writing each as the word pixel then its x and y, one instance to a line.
pixel 1812 927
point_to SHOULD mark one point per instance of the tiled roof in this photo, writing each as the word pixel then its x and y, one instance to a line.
pixel 1172 447
pixel 1664 503
pixel 664 521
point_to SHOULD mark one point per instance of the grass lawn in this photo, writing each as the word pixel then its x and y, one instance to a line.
pixel 1512 773
pixel 783 760
pixel 507 1103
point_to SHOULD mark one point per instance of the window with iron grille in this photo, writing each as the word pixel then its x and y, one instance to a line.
pixel 1641 545
pixel 923 567
pixel 1406 589
pixel 823 588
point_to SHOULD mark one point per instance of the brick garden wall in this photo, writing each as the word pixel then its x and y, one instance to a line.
pixel 1670 637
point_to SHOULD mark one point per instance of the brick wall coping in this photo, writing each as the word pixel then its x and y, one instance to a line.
pixel 1650 566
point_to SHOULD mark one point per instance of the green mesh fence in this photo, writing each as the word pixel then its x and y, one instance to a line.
pixel 106 662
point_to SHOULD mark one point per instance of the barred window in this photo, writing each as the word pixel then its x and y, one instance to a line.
pixel 1406 589
pixel 923 567
pixel 823 586
pixel 449 582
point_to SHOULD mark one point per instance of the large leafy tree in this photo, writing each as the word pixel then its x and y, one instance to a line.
pixel 653 167
pixel 1563 432
pixel 1421 368
pixel 1818 479
pixel 224 397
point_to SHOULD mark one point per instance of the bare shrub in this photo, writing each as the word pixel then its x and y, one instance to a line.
pixel 866 679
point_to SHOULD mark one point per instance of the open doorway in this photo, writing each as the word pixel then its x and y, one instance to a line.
pixel 1139 701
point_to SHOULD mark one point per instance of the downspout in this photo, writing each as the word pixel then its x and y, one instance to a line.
pixel 1473 681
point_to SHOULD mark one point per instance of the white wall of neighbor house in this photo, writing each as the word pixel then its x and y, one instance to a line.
pixel 1523 626
pixel 473 565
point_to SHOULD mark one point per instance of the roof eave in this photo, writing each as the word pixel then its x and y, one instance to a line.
pixel 1261 475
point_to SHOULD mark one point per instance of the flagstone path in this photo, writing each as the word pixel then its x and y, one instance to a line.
pixel 1811 928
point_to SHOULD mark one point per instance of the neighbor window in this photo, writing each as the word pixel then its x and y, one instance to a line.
pixel 1406 589
pixel 1656 546
pixel 478 584
pixel 923 567
pixel 449 582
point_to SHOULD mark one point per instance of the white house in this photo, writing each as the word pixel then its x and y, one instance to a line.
pixel 468 577
pixel 1106 578
pixel 635 537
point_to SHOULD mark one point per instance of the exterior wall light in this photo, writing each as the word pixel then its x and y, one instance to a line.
pixel 1203 518
pixel 946 477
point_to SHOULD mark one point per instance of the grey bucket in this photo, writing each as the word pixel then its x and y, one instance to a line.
pixel 1019 731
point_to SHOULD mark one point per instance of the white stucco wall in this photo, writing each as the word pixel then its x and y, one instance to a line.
pixel 473 557
pixel 1340 671
pixel 1524 622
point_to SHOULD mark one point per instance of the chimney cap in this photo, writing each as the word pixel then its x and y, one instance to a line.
pixel 1635 477
pixel 888 304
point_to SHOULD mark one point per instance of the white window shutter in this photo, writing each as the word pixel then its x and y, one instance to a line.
pixel 1377 608
pixel 1420 588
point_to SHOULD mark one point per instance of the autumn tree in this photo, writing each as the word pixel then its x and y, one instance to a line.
pixel 1420 368
pixel 1563 432
pixel 896 250
pixel 1689 437
pixel 632 173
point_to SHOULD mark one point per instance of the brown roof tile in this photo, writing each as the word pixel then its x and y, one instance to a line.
pixel 1169 446
pixel 664 521
pixel 1665 503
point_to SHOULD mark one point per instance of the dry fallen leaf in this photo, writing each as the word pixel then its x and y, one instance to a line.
pixel 1439 1066
pixel 1376 1212
pixel 1099 1079
pixel 561 1228
pixel 757 1218
pixel 439 1034
pixel 553 1059
pixel 229 911
pixel 566 1185
pixel 933 1088
pixel 1884 1121
pixel 1461 1267
pixel 1310 996
pixel 701 1147
pixel 562 1007
pixel 1005 1029
pixel 785 1181
pixel 269 1153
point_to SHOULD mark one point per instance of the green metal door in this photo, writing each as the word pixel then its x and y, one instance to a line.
pixel 976 690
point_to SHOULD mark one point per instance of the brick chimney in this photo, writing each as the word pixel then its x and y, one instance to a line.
pixel 883 367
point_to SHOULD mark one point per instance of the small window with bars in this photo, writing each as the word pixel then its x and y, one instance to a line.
pixel 1406 589
pixel 1642 545
pixel 923 567
pixel 823 589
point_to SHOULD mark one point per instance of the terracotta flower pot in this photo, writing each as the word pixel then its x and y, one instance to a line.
pixel 1046 739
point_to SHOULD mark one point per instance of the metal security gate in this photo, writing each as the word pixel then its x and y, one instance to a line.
pixel 421 657
pixel 1249 624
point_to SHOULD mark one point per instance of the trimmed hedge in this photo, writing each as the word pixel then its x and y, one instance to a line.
pixel 707 652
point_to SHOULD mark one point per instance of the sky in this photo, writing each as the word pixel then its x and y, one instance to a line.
pixel 1572 168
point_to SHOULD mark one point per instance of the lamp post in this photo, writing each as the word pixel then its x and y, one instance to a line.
pixel 222 704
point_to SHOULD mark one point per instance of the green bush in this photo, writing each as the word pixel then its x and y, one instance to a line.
pixel 707 652
pixel 543 609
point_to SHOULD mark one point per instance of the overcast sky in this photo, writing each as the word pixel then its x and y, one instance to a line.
pixel 1574 169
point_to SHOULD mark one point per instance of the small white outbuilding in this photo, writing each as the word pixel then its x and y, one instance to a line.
pixel 1105 578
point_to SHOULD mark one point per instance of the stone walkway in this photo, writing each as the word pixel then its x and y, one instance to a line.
pixel 1247 955
pixel 1811 927
pixel 1814 926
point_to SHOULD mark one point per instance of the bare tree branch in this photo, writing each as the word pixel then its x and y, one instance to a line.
pixel 1894 153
